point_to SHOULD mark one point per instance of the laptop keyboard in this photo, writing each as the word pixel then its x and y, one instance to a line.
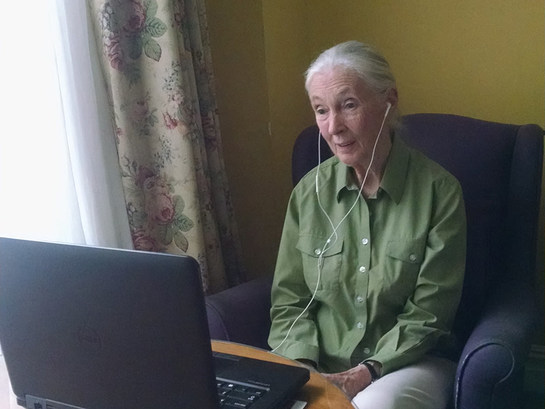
pixel 234 395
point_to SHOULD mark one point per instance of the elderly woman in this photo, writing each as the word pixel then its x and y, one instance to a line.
pixel 371 261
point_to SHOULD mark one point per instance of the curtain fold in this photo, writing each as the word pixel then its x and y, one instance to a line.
pixel 157 65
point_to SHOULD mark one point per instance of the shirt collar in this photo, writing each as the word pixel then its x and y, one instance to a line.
pixel 395 173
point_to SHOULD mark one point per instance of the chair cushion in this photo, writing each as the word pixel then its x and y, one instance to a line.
pixel 478 153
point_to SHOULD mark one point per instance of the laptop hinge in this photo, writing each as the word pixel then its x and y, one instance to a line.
pixel 33 402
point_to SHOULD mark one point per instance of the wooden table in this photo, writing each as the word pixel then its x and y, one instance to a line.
pixel 319 393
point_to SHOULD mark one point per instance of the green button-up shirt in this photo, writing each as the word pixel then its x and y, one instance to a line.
pixel 389 281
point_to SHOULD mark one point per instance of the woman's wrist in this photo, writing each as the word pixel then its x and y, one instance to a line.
pixel 374 368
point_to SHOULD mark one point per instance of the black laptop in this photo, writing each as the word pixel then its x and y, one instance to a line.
pixel 95 328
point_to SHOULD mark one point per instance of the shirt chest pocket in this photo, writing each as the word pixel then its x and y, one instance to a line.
pixel 404 259
pixel 321 263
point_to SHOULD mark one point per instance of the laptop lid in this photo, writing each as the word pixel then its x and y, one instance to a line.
pixel 101 328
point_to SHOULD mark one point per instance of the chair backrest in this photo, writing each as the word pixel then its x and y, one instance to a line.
pixel 499 167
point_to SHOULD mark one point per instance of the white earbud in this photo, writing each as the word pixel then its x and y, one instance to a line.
pixel 389 105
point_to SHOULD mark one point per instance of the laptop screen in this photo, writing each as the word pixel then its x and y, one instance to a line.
pixel 100 328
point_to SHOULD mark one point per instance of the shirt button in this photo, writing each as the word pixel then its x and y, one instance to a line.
pixel 359 299
pixel 363 269
pixel 365 241
pixel 359 325
pixel 366 351
pixel 412 257
pixel 317 252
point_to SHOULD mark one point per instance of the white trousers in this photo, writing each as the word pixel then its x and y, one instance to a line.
pixel 427 384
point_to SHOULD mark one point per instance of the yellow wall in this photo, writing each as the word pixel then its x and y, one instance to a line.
pixel 480 58
pixel 238 54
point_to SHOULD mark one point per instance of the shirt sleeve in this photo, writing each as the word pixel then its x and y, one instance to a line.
pixel 429 313
pixel 291 296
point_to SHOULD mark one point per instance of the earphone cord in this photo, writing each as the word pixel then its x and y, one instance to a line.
pixel 327 245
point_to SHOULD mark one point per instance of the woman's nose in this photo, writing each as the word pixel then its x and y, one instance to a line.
pixel 336 123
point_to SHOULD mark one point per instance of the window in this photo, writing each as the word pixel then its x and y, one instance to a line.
pixel 59 176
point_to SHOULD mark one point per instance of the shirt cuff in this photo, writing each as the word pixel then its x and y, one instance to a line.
pixel 299 350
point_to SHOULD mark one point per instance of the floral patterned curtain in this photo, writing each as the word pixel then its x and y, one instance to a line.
pixel 157 65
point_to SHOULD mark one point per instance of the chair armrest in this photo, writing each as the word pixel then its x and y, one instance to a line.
pixel 491 368
pixel 241 313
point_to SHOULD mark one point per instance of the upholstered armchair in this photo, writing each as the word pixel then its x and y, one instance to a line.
pixel 499 167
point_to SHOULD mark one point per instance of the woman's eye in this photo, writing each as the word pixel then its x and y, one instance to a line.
pixel 320 111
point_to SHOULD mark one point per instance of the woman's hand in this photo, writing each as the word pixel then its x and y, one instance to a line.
pixel 352 381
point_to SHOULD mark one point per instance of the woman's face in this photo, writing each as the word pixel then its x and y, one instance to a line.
pixel 348 113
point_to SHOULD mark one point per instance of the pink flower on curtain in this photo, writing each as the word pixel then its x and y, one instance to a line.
pixel 170 121
pixel 159 205
pixel 139 110
pixel 161 220
pixel 137 17
pixel 115 52
pixel 175 100
pixel 143 174
pixel 158 201
pixel 143 241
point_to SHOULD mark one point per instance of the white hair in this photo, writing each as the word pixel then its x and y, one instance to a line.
pixel 365 60
pixel 368 64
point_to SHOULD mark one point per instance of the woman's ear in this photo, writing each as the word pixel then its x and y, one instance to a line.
pixel 391 98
